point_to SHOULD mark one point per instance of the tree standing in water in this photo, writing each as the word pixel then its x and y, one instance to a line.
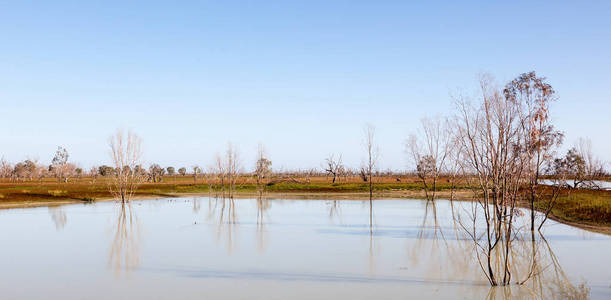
pixel 531 96
pixel 372 158
pixel 263 169
pixel 125 151
pixel 430 154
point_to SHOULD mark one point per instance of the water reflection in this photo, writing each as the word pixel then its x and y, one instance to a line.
pixel 335 210
pixel 124 250
pixel 223 212
pixel 196 205
pixel 58 216
pixel 411 247
pixel 546 280
pixel 263 206
pixel 441 252
pixel 533 268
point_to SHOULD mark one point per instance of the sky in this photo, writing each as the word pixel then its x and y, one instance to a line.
pixel 301 77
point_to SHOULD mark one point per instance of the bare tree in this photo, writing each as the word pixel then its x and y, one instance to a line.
pixel 594 167
pixel 371 160
pixel 6 169
pixel 69 171
pixel 491 134
pixel 221 173
pixel 262 169
pixel 94 173
pixel 232 167
pixel 363 174
pixel 430 152
pixel 156 173
pixel 125 151
pixel 333 166
pixel 372 153
pixel 531 95
pixel 196 171
pixel 59 164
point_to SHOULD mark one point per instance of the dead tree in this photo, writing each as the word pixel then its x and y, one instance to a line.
pixel 531 95
pixel 371 161
pixel 196 171
pixel 263 169
pixel 232 168
pixel 125 151
pixel 333 166
pixel 491 135
pixel 429 151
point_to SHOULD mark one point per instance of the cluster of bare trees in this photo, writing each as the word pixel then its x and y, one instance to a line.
pixel 578 167
pixel 503 144
pixel 494 140
pixel 31 169
pixel 225 171
pixel 505 141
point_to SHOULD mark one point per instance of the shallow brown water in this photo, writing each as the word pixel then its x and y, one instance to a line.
pixel 274 249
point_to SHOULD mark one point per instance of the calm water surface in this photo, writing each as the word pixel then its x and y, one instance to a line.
pixel 273 249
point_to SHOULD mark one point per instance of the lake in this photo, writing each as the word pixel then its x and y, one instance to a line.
pixel 206 248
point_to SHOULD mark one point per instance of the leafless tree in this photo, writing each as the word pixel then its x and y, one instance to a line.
pixel 125 151
pixel 594 167
pixel 429 151
pixel 372 155
pixel 59 164
pixel 94 173
pixel 371 160
pixel 262 169
pixel 491 134
pixel 6 169
pixel 232 167
pixel 333 166
pixel 220 172
pixel 196 171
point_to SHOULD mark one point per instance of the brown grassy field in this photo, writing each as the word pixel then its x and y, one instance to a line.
pixel 591 207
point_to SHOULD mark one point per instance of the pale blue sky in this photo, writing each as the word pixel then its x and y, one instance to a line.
pixel 301 77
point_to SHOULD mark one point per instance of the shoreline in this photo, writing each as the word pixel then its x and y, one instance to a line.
pixel 459 195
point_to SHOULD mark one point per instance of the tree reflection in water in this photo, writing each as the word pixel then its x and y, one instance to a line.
pixel 196 205
pixel 535 269
pixel 124 252
pixel 373 245
pixel 263 205
pixel 441 252
pixel 335 210
pixel 223 211
pixel 58 216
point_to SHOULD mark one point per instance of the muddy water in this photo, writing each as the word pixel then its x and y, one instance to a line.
pixel 276 249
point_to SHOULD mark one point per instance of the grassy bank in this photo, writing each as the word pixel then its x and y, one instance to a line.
pixel 591 207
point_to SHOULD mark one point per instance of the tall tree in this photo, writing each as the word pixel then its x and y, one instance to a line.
pixel 59 163
pixel 125 152
pixel 532 96
pixel 429 151
pixel 263 169
pixel 372 155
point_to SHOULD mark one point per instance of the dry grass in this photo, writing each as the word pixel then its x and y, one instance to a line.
pixel 581 206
